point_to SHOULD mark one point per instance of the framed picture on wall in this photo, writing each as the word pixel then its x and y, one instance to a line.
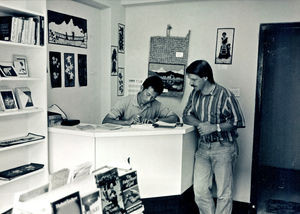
pixel 82 69
pixel 7 100
pixel 69 69
pixel 120 83
pixel 121 40
pixel 224 46
pixel 55 69
pixel 21 65
pixel 114 60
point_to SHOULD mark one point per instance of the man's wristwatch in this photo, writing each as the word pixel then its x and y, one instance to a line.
pixel 218 128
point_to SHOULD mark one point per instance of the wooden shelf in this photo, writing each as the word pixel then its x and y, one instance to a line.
pixel 21 145
pixel 14 11
pixel 2 182
pixel 20 112
pixel 15 44
pixel 20 79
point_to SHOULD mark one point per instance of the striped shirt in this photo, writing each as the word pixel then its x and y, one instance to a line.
pixel 219 106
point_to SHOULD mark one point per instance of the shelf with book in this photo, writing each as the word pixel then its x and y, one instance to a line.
pixel 23 97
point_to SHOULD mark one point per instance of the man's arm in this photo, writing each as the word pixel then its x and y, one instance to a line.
pixel 173 118
pixel 109 119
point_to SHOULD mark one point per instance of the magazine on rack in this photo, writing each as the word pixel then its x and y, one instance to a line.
pixel 19 140
pixel 91 203
pixel 71 204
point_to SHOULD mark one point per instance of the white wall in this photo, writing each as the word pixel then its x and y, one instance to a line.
pixel 203 18
pixel 79 102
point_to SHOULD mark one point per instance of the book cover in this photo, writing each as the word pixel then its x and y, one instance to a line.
pixel 107 180
pixel 71 204
pixel 19 171
pixel 91 203
pixel 130 192
pixel 24 98
pixel 5 27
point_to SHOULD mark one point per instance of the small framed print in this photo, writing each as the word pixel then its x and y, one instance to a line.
pixel 8 71
pixel 121 32
pixel 8 100
pixel 24 98
pixel 224 45
pixel 120 84
pixel 114 60
pixel 21 65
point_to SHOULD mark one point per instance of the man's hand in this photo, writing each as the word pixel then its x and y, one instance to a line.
pixel 206 128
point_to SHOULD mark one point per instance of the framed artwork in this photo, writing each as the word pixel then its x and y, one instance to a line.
pixel 120 83
pixel 23 96
pixel 224 46
pixel 66 30
pixel 69 70
pixel 8 70
pixel 121 32
pixel 172 76
pixel 114 60
pixel 82 69
pixel 55 69
pixel 21 65
pixel 8 100
pixel 68 204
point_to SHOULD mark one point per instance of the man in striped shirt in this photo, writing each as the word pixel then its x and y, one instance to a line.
pixel 216 114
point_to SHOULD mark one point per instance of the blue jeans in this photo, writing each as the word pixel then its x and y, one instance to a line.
pixel 214 160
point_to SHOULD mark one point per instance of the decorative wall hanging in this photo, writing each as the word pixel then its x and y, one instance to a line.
pixel 67 30
pixel 224 45
pixel 69 70
pixel 82 69
pixel 121 31
pixel 120 84
pixel 114 60
pixel 55 69
pixel 168 59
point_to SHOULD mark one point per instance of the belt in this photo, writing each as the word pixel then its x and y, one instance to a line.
pixel 211 138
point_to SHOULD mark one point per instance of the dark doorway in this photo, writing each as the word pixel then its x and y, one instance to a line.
pixel 276 152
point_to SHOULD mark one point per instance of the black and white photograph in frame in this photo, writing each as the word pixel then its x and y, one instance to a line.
pixel 121 82
pixel 114 60
pixel 21 65
pixel 121 37
pixel 55 69
pixel 24 97
pixel 8 100
pixel 224 45
pixel 82 69
pixel 69 70
pixel 67 30
pixel 8 70
pixel 172 76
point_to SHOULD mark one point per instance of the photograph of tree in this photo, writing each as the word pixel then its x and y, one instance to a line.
pixel 67 30
pixel 69 70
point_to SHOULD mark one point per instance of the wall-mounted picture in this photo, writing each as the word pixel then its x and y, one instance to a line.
pixel 120 83
pixel 224 45
pixel 69 70
pixel 7 100
pixel 55 69
pixel 114 60
pixel 82 69
pixel 8 70
pixel 24 98
pixel 21 65
pixel 67 30
pixel 121 32
pixel 172 76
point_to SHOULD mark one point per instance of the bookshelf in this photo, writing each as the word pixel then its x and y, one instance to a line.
pixel 19 123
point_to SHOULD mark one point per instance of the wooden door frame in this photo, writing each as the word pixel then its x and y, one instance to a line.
pixel 258 105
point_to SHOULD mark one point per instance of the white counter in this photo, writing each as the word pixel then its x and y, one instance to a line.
pixel 163 157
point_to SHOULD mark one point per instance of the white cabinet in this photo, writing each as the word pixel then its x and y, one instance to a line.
pixel 21 122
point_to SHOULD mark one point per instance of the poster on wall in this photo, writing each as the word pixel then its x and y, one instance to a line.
pixel 66 30
pixel 224 45
pixel 69 70
pixel 172 76
pixel 120 83
pixel 82 69
pixel 55 69
pixel 121 31
pixel 114 60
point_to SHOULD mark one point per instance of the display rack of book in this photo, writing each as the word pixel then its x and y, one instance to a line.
pixel 23 98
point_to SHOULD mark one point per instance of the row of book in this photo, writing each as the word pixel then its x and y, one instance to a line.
pixel 25 30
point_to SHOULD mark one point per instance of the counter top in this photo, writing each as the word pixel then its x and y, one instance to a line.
pixel 94 130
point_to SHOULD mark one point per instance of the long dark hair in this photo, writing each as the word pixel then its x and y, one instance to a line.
pixel 202 69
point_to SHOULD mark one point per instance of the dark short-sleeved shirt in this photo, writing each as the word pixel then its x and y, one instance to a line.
pixel 128 107
pixel 217 107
